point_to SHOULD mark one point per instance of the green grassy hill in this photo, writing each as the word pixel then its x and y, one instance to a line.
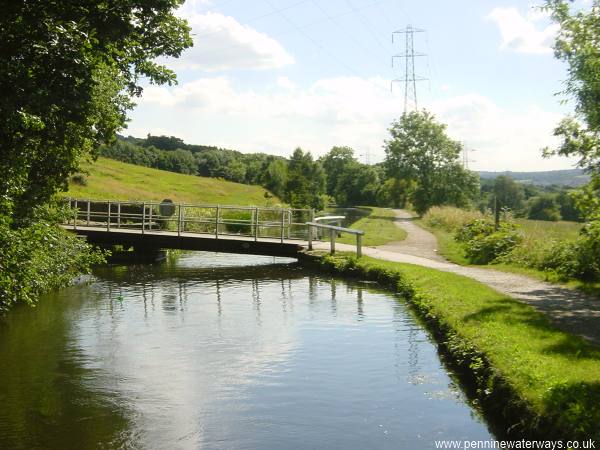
pixel 107 179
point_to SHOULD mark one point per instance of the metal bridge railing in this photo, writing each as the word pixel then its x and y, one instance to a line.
pixel 216 220
pixel 333 232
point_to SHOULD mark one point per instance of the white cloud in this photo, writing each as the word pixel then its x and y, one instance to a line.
pixel 339 111
pixel 222 43
pixel 521 34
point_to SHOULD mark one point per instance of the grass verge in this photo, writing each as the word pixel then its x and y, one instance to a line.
pixel 541 381
pixel 454 252
pixel 110 179
pixel 379 228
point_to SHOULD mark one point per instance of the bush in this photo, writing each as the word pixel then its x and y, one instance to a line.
pixel 483 245
pixel 579 259
pixel 79 179
pixel 543 208
pixel 39 256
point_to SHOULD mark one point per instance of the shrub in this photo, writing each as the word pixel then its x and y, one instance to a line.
pixel 543 208
pixel 79 179
pixel 39 256
pixel 483 244
pixel 579 259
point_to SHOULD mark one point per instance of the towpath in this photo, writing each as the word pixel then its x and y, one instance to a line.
pixel 570 310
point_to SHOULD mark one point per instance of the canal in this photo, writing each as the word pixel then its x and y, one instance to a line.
pixel 224 352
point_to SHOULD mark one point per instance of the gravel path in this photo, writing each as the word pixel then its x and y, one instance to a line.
pixel 570 310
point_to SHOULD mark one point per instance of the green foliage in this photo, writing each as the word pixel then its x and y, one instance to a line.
pixel 68 72
pixel 543 208
pixel 507 194
pixel 578 259
pixel 578 44
pixel 483 244
pixel 305 182
pixel 39 257
pixel 568 208
pixel 419 150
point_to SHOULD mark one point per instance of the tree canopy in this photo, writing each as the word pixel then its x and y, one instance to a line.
pixel 419 151
pixel 578 44
pixel 68 71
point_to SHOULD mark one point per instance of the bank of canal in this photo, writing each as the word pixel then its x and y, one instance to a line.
pixel 223 351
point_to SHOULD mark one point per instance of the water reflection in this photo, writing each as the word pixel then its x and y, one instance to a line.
pixel 207 352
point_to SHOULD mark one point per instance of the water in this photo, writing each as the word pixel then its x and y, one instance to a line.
pixel 224 352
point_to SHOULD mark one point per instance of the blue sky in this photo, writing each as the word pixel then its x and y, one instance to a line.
pixel 272 75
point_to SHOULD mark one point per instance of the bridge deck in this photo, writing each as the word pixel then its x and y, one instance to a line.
pixel 226 243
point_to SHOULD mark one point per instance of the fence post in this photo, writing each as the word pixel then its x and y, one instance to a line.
pixel 332 236
pixel 143 216
pixel 358 245
pixel 311 217
pixel 88 212
pixel 179 221
pixel 256 224
pixel 282 223
pixel 75 215
pixel 108 218
pixel 119 215
pixel 217 223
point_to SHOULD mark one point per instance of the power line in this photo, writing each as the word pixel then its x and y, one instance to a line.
pixel 297 28
pixel 410 79
pixel 367 24
pixel 323 49
pixel 336 23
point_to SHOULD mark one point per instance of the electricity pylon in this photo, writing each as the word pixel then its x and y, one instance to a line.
pixel 409 55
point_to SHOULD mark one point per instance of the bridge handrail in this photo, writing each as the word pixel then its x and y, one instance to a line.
pixel 260 219
pixel 333 230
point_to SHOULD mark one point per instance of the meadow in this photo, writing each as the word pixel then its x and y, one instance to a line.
pixel 107 179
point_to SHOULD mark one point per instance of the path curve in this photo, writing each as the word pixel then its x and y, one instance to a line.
pixel 570 310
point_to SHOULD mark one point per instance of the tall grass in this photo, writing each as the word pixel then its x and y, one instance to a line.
pixel 449 218
pixel 538 238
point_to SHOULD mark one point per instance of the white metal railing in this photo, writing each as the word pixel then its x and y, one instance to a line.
pixel 216 220
pixel 333 231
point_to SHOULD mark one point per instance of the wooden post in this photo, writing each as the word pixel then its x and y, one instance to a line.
pixel 150 218
pixel 119 215
pixel 108 218
pixel 256 224
pixel 88 212
pixel 179 221
pixel 311 218
pixel 75 216
pixel 358 245
pixel 282 223
pixel 143 216
pixel 332 236
pixel 217 223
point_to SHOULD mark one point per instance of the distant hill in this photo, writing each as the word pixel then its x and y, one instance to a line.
pixel 571 177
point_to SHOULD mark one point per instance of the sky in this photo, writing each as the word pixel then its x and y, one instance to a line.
pixel 272 75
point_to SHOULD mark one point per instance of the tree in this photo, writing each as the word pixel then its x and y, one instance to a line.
pixel 274 178
pixel 419 151
pixel 335 163
pixel 507 194
pixel 543 207
pixel 305 182
pixel 578 44
pixel 68 73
